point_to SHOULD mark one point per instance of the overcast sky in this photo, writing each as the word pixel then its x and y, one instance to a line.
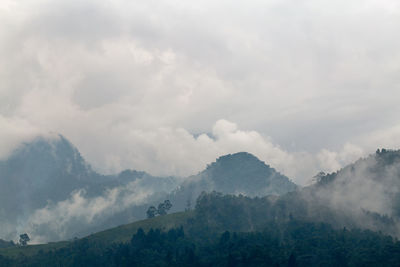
pixel 168 86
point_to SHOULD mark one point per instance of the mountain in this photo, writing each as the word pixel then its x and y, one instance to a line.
pixel 48 190
pixel 370 184
pixel 48 176
pixel 41 170
pixel 364 194
pixel 344 219
pixel 239 173
pixel 37 172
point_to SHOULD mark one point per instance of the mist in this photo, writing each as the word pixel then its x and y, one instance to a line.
pixel 128 83
pixel 365 193
pixel 168 87
pixel 70 217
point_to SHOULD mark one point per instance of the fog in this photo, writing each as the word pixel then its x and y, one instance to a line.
pixel 363 192
pixel 309 85
pixel 73 216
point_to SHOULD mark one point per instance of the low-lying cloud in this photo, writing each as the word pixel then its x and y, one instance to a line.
pixel 366 192
pixel 75 215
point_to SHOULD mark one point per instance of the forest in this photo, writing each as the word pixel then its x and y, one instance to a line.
pixel 227 230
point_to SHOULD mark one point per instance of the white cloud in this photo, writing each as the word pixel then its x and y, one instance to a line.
pixel 12 132
pixel 58 221
pixel 129 82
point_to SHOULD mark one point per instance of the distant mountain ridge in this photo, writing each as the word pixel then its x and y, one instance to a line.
pixel 47 171
pixel 48 190
pixel 50 169
pixel 49 175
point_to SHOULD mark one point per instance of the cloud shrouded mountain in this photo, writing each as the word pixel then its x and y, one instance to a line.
pixel 365 194
pixel 370 184
pixel 239 173
pixel 48 180
pixel 48 190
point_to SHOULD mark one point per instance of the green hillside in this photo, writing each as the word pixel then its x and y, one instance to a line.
pixel 223 230
pixel 31 250
pixel 118 234
pixel 124 233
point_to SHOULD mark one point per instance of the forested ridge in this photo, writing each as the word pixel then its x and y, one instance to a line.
pixel 346 218
pixel 291 244
pixel 229 230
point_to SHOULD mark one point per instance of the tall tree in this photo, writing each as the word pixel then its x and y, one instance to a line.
pixel 164 207
pixel 151 212
pixel 24 239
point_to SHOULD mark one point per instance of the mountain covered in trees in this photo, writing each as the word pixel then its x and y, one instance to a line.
pixel 49 190
pixel 366 193
pixel 239 212
pixel 45 175
pixel 239 173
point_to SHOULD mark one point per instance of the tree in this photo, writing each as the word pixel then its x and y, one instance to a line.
pixel 167 204
pixel 151 212
pixel 164 207
pixel 161 209
pixel 24 239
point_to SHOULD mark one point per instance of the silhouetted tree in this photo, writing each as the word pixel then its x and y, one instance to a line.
pixel 164 207
pixel 24 239
pixel 151 212
pixel 167 204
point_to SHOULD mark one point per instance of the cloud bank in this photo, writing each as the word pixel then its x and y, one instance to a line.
pixel 312 84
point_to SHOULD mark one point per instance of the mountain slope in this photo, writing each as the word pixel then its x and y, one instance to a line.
pixel 223 230
pixel 41 170
pixel 371 184
pixel 365 194
pixel 122 233
pixel 48 190
pixel 239 173
pixel 43 182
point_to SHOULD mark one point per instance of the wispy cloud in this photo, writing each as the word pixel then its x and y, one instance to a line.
pixel 75 215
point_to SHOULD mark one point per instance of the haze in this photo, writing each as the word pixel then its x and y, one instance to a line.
pixel 168 86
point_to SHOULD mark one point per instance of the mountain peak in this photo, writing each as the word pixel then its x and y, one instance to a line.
pixel 42 169
pixel 239 156
pixel 237 161
pixel 54 151
pixel 243 172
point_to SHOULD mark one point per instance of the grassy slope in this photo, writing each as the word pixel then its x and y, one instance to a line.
pixel 124 233
pixel 121 233
pixel 31 249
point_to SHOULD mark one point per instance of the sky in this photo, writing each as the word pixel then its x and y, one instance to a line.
pixel 168 86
